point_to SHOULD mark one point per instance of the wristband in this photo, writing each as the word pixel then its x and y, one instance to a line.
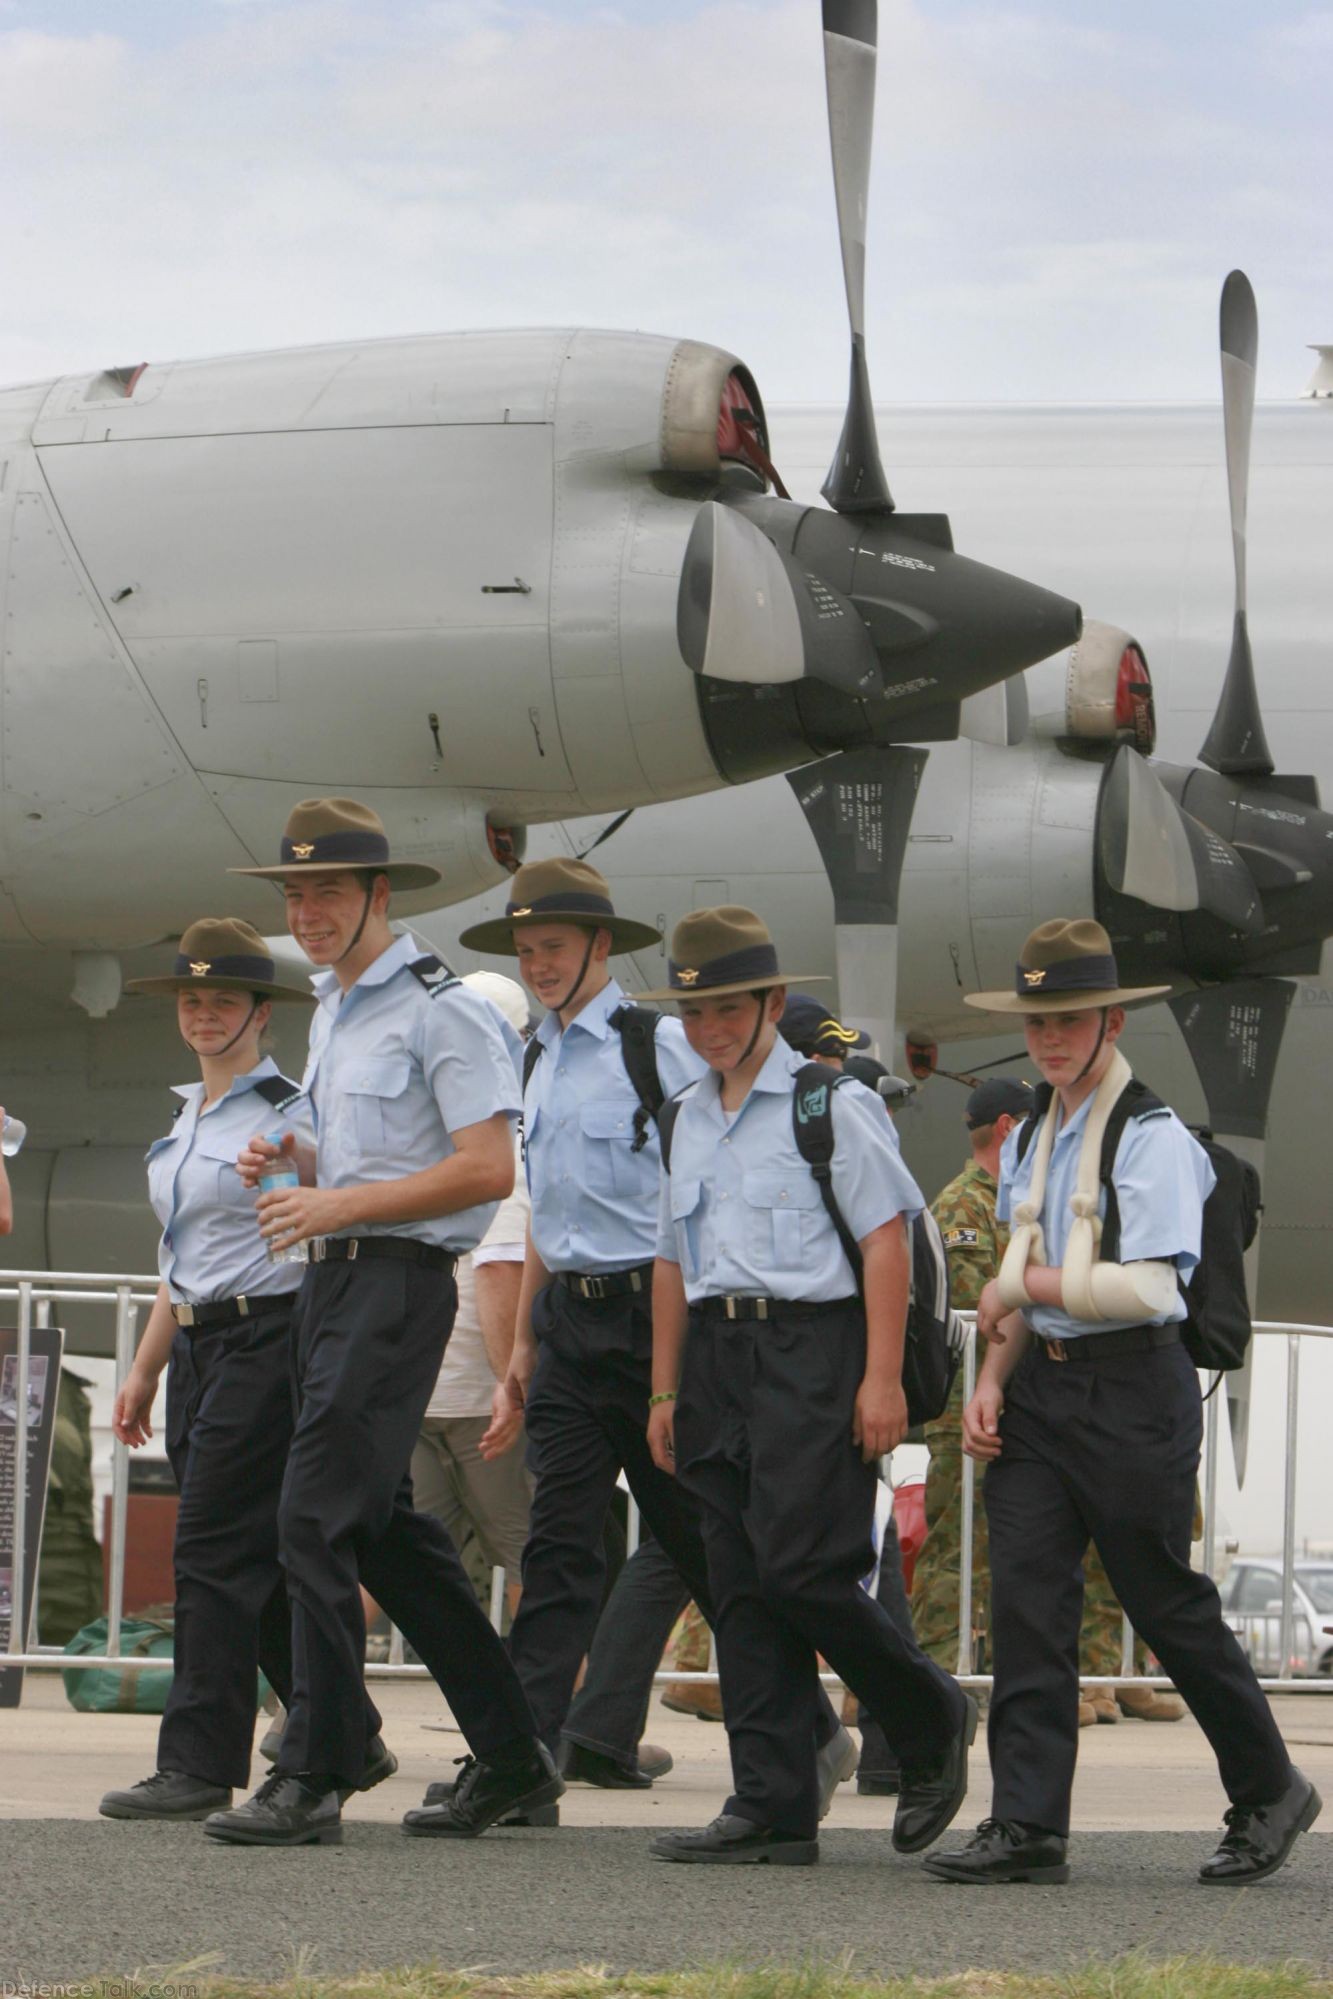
pixel 666 1395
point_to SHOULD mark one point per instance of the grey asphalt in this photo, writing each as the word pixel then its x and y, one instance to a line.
pixel 85 1899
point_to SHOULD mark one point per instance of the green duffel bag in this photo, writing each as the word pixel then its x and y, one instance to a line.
pixel 122 1688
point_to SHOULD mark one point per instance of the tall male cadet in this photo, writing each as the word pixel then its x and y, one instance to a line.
pixel 1088 1418
pixel 413 1090
pixel 582 1359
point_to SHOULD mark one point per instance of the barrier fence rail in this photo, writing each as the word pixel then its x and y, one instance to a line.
pixel 35 1292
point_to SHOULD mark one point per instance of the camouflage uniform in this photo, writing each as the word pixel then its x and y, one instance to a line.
pixel 975 1243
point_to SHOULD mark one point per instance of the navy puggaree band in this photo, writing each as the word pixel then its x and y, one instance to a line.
pixel 355 850
pixel 259 969
pixel 1092 975
pixel 757 961
pixel 565 902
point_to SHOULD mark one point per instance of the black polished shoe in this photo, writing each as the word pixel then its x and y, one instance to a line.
pixel 581 1765
pixel 1000 1851
pixel 1258 1838
pixel 487 1792
pixel 286 1810
pixel 167 1794
pixel 931 1795
pixel 730 1841
pixel 441 1791
pixel 380 1763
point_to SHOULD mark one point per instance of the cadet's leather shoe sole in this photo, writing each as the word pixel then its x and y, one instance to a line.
pixel 1259 1838
pixel 167 1794
pixel 486 1792
pixel 929 1799
pixel 284 1811
pixel 581 1765
pixel 730 1841
pixel 380 1764
pixel 834 1764
pixel 998 1853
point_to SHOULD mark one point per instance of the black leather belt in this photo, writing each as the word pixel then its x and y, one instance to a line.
pixel 391 1248
pixel 1104 1346
pixel 608 1283
pixel 737 1308
pixel 224 1311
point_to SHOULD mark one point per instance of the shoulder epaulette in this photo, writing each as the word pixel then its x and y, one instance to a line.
pixel 434 974
pixel 279 1091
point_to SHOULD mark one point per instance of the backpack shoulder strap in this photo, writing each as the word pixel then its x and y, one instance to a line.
pixel 812 1126
pixel 667 1112
pixel 433 974
pixel 532 1055
pixel 637 1028
pixel 1031 1123
pixel 279 1091
pixel 1135 1101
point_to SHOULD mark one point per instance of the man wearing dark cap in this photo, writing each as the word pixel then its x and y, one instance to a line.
pixel 813 1029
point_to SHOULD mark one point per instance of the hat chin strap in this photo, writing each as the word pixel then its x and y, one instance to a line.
pixel 560 1005
pixel 365 918
pixel 749 1046
pixel 227 1046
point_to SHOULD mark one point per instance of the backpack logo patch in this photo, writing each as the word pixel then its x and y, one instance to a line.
pixel 812 1104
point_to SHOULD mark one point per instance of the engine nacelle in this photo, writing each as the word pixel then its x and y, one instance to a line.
pixel 1099 692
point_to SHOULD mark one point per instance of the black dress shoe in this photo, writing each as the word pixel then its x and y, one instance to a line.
pixel 440 1793
pixel 581 1765
pixel 167 1794
pixel 485 1792
pixel 931 1795
pixel 1000 1851
pixel 736 1842
pixel 1258 1838
pixel 286 1810
pixel 380 1763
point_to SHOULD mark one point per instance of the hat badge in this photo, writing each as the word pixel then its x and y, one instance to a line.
pixel 198 966
pixel 521 912
pixel 686 977
pixel 303 850
pixel 1035 978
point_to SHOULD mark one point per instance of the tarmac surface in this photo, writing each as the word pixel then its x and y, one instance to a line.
pixel 85 1897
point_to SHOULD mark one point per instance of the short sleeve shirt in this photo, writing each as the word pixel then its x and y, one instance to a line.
pixel 1162 1179
pixel 396 1067
pixel 466 1380
pixel 211 1247
pixel 740 1211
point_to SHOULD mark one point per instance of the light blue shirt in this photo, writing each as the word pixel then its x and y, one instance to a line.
pixel 1162 1179
pixel 211 1247
pixel 594 1199
pixel 740 1210
pixel 394 1069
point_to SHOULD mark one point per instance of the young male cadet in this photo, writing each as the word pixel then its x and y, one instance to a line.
pixel 413 1090
pixel 777 1408
pixel 1088 1418
pixel 583 1345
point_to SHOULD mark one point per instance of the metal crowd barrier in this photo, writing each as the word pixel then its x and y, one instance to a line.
pixel 37 1291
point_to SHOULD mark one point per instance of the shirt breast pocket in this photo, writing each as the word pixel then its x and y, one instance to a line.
pixel 220 1155
pixel 780 1221
pixel 606 1127
pixel 685 1205
pixel 372 1089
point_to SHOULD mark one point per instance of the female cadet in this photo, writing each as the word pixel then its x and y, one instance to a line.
pixel 1087 1416
pixel 790 1393
pixel 221 1326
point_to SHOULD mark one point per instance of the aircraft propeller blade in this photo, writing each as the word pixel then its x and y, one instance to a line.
pixel 746 611
pixel 1153 850
pixel 1234 1036
pixel 856 483
pixel 1235 742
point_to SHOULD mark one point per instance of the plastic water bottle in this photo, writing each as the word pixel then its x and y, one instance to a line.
pixel 13 1135
pixel 282 1174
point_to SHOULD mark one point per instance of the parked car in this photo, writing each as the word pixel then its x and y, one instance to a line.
pixel 1252 1603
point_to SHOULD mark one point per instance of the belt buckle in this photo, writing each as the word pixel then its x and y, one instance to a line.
pixel 319 1248
pixel 243 1305
pixel 760 1308
pixel 635 1281
pixel 1056 1350
pixel 353 1245
pixel 729 1305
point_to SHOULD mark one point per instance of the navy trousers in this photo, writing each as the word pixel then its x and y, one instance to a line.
pixel 370 1336
pixel 764 1441
pixel 229 1423
pixel 1106 1451
pixel 587 1419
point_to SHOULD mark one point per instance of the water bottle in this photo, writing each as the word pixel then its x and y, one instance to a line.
pixel 282 1173
pixel 13 1135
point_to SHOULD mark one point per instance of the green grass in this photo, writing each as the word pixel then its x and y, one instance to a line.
pixel 1121 1978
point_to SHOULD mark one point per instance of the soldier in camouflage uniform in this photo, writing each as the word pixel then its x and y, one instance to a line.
pixel 975 1243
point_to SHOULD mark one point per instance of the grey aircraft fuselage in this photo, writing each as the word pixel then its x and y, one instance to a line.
pixel 1124 509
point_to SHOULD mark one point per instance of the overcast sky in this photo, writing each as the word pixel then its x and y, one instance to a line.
pixel 1059 187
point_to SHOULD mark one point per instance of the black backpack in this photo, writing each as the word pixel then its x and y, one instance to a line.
pixel 931 1353
pixel 1216 1328
pixel 637 1028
